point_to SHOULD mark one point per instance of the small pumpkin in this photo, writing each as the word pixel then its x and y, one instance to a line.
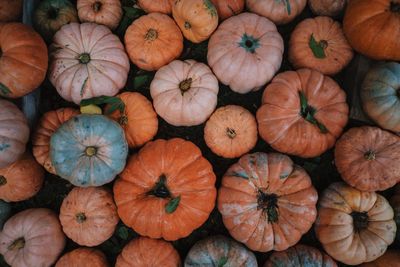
pixel 105 12
pixel 231 131
pixel 197 19
pixel 302 113
pixel 354 226
pixel 160 6
pixel 245 52
pixel 32 237
pixel 228 8
pixel 395 203
pixel 88 150
pixel 166 190
pixel 329 8
pixel 10 10
pixel 261 196
pixel 184 92
pixel 5 211
pixel 390 259
pixel 23 60
pixel 87 60
pixel 219 251
pixel 83 257
pixel 319 43
pixel 152 41
pixel 145 252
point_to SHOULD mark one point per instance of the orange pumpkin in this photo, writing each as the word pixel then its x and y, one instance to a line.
pixel 48 124
pixel 302 113
pixel 319 43
pixel 390 259
pixel 83 257
pixel 231 131
pixel 105 12
pixel 145 252
pixel 262 196
pixel 160 6
pixel 21 180
pixel 10 10
pixel 166 190
pixel 327 7
pixel 228 8
pixel 23 60
pixel 153 41
pixel 88 215
pixel 197 19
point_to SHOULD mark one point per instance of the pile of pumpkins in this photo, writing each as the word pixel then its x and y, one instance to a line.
pixel 166 189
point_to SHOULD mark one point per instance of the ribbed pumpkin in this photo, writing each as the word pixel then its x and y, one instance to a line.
pixel 160 6
pixel 261 196
pixel 245 52
pixel 319 43
pixel 166 190
pixel 153 41
pixel 10 10
pixel 327 7
pixel 390 259
pixel 354 226
pixel 302 113
pixel 83 257
pixel 87 60
pixel 145 252
pixel 228 8
pixel 23 60
pixel 105 12
pixel 395 203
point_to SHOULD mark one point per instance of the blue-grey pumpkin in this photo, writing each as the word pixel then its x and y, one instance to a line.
pixel 5 211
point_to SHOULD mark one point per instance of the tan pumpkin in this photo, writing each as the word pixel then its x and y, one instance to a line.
pixel 88 215
pixel 160 6
pixel 83 257
pixel 228 8
pixel 327 7
pixel 10 10
pixel 390 259
pixel 231 131
pixel 105 12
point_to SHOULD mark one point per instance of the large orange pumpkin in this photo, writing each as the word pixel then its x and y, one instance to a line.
pixel 83 257
pixel 160 6
pixel 302 113
pixel 267 202
pixel 228 8
pixel 10 10
pixel 166 190
pixel 105 12
pixel 390 259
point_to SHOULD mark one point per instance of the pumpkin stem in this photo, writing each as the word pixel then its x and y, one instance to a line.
pixel 17 244
pixel 269 204
pixel 90 151
pixel 160 189
pixel 80 217
pixel 187 25
pixel 52 13
pixel 231 133
pixel 3 180
pixel 395 7
pixel 370 155
pixel 151 35
pixel 97 6
pixel 84 58
pixel 308 113
pixel 360 220
pixel 324 44
pixel 249 43
pixel 185 85
pixel 123 120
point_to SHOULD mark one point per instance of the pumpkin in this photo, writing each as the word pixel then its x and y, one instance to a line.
pixel 5 211
pixel 395 203
pixel 47 125
pixel 319 43
pixel 184 92
pixel 219 251
pixel 390 259
pixel 380 95
pixel 197 19
pixel 153 41
pixel 105 12
pixel 88 150
pixel 23 60
pixel 261 196
pixel 279 11
pixel 51 15
pixel 354 226
pixel 87 60
pixel 245 52
pixel 228 8
pixel 329 8
pixel 302 113
pixel 14 133
pixel 160 6
pixel 145 252
pixel 366 157
pixel 10 10
pixel 83 257
pixel 166 190
pixel 231 131
pixel 32 237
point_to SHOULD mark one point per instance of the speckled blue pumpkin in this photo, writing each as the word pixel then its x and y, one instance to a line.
pixel 5 211
pixel 89 150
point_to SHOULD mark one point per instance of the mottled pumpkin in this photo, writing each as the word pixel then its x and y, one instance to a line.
pixel 228 8
pixel 105 12
pixel 395 203
pixel 354 226
pixel 83 257
pixel 302 113
pixel 10 10
pixel 259 198
pixel 5 211
pixel 166 190
pixel 160 6
pixel 390 259
pixel 88 150
pixel 245 52
pixel 327 7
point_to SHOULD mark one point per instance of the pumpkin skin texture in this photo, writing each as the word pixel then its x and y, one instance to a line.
pixel 83 257
pixel 257 199
pixel 390 259
pixel 327 33
pixel 162 184
pixel 302 113
pixel 160 6
pixel 354 226
pixel 77 74
pixel 231 131
pixel 153 41
pixel 105 12
pixel 48 124
pixel 32 237
pixel 329 8
pixel 23 60
pixel 14 133
pixel 251 64
pixel 395 203
pixel 145 252
pixel 220 249
pixel 5 211
pixel 197 19
pixel 88 150
pixel 10 10
pixel 228 8
pixel 366 157
pixel 184 92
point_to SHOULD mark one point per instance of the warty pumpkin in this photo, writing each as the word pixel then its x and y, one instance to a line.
pixel 395 203
pixel 10 10
pixel 329 8
pixel 5 211
pixel 261 196
pixel 105 12
pixel 228 8
pixel 83 257
pixel 160 6
pixel 390 259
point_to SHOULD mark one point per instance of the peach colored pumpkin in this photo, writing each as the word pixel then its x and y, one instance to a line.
pixel 228 8
pixel 83 257
pixel 327 7
pixel 78 74
pixel 184 92
pixel 10 10
pixel 105 12
pixel 160 6
pixel 390 259
pixel 245 52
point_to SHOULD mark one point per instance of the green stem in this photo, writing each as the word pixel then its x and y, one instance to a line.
pixel 160 189
pixel 3 180
pixel 80 217
pixel 308 113
pixel 17 244
pixel 360 220
pixel 269 204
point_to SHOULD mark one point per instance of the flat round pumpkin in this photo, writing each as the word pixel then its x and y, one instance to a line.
pixel 10 10
pixel 390 259
pixel 228 8
pixel 105 12
pixel 261 196
pixel 395 203
pixel 166 190
pixel 83 257
pixel 160 6
pixel 327 7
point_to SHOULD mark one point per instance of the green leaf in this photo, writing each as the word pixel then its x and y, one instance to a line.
pixel 318 48
pixel 115 103
pixel 172 205
pixel 4 90
pixel 140 81
pixel 222 261
pixel 123 232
